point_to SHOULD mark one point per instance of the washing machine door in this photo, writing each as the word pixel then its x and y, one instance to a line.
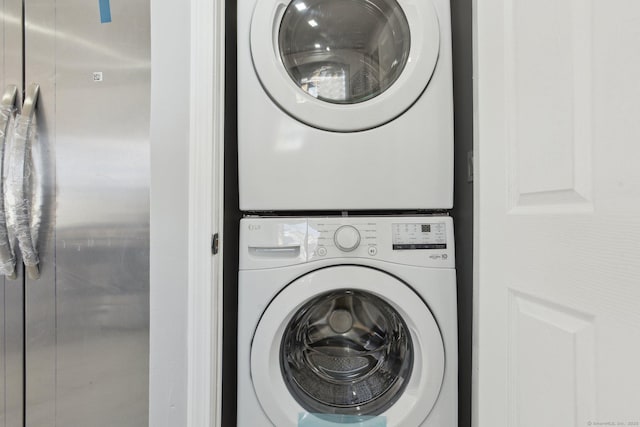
pixel 344 65
pixel 347 340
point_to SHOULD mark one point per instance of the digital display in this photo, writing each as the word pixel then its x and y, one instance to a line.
pixel 419 236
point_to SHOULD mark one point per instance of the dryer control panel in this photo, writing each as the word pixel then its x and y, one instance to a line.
pixel 425 241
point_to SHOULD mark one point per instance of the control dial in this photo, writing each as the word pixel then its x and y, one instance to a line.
pixel 347 238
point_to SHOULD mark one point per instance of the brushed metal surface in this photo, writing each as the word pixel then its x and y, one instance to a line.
pixel 11 291
pixel 3 378
pixel 7 257
pixel 14 355
pixel 11 48
pixel 88 315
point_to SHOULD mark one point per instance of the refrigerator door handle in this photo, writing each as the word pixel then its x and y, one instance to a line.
pixel 7 256
pixel 18 183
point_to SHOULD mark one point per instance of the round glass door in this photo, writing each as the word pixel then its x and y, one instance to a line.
pixel 344 51
pixel 347 340
pixel 346 352
pixel 344 65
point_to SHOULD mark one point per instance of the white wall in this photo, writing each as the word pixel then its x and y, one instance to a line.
pixel 169 211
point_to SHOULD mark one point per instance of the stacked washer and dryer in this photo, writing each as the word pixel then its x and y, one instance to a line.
pixel 345 107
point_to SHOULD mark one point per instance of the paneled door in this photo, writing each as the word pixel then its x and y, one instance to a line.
pixel 557 333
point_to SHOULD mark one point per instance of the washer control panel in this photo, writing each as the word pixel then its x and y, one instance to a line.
pixel 419 236
pixel 420 241
pixel 424 241
pixel 332 237
pixel 347 238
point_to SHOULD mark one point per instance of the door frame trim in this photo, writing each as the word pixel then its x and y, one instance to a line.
pixel 206 180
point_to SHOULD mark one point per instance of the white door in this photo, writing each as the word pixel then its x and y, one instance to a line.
pixel 558 213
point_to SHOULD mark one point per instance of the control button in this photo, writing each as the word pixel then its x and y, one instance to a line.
pixel 347 238
pixel 322 251
pixel 373 250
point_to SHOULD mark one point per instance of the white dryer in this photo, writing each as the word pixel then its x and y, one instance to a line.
pixel 344 105
pixel 347 321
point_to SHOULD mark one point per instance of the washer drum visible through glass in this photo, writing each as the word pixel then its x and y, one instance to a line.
pixel 346 352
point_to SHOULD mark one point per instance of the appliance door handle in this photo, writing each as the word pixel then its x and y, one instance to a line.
pixel 18 193
pixel 7 256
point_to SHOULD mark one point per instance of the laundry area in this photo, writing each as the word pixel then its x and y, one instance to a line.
pixel 319 213
pixel 347 291
pixel 414 214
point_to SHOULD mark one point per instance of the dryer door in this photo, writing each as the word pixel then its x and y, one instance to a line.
pixel 344 65
pixel 347 340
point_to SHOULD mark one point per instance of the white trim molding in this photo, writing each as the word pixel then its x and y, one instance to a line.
pixel 205 213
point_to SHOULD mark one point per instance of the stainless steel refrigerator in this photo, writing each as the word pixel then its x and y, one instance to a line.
pixel 75 79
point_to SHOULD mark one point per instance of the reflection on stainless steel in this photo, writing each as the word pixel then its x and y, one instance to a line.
pixel 11 291
pixel 13 355
pixel 18 183
pixel 87 316
pixel 346 352
pixel 84 43
pixel 7 109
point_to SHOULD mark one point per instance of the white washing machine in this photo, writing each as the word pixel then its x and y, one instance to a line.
pixel 347 321
pixel 345 105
